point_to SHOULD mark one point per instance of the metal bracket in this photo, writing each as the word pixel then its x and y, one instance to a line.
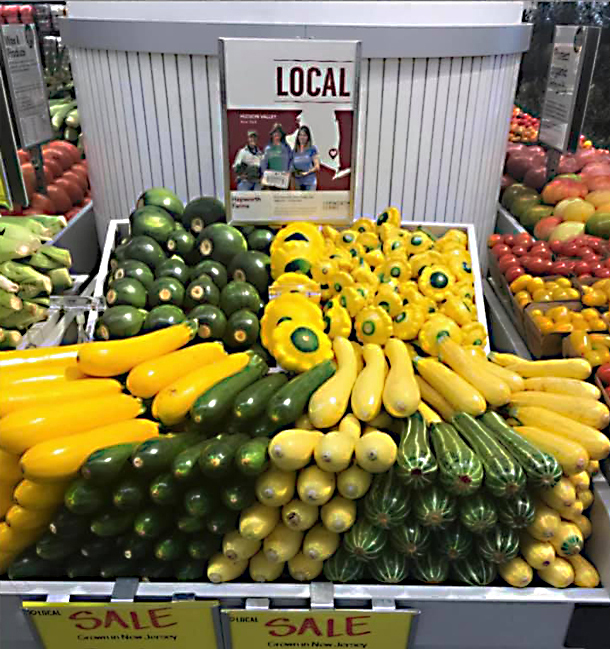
pixel 125 590
pixel 383 605
pixel 257 604
pixel 322 595
pixel 58 598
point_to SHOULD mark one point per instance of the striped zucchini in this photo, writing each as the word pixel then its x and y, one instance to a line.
pixel 474 571
pixel 477 513
pixel 517 512
pixel 365 541
pixel 416 462
pixel 435 508
pixel 503 475
pixel 460 470
pixel 387 502
pixel 455 542
pixel 341 568
pixel 390 568
pixel 411 539
pixel 499 545
pixel 431 569
pixel 542 469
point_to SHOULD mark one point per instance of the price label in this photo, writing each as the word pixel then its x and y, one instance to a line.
pixel 137 625
pixel 353 629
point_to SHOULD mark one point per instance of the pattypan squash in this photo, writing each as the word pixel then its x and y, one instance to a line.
pixel 365 276
pixel 409 291
pixel 352 299
pixel 340 280
pixel 338 321
pixel 462 311
pixel 436 281
pixel 387 231
pixel 364 225
pixel 419 241
pixel 369 241
pixel 347 238
pixel 422 259
pixel 296 283
pixel 374 325
pixel 328 232
pixel 464 290
pixel 322 273
pixel 390 215
pixel 356 250
pixel 474 333
pixel 289 306
pixel 433 329
pixel 388 299
pixel 397 269
pixel 342 259
pixel 299 345
pixel 453 236
pixel 429 306
pixel 394 244
pixel 374 258
pixel 293 256
pixel 408 322
pixel 301 232
pixel 460 265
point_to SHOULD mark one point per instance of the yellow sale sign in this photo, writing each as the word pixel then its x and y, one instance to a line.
pixel 137 625
pixel 320 629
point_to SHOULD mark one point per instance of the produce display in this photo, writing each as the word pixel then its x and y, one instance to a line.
pixel 523 127
pixel 30 271
pixel 66 121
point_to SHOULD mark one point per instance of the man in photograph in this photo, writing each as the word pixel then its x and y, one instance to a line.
pixel 247 165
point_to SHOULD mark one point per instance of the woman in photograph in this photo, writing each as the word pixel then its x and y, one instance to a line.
pixel 277 156
pixel 305 161
pixel 247 165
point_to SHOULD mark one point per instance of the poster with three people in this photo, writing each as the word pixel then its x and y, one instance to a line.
pixel 290 123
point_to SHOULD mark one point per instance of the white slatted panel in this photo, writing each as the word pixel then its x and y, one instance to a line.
pixel 431 136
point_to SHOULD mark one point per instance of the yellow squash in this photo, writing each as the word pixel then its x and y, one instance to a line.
pixel 493 389
pixel 585 573
pixel 559 574
pixel 339 514
pixel 38 356
pixel 275 487
pixel 376 452
pixel 36 374
pixel 15 540
pixel 569 368
pixel 350 425
pixel 262 570
pixel 334 451
pixel 282 544
pixel 315 486
pixel 516 573
pixel 581 481
pixel 593 468
pixel 582 409
pixel 22 429
pixel 10 472
pixel 368 388
pixel 220 569
pixel 401 396
pixel 512 379
pixel 354 482
pixel 561 495
pixel 430 416
pixel 572 456
pixel 568 540
pixel 504 360
pixel 36 496
pixel 119 356
pixel 556 385
pixel 55 392
pixel 148 378
pixel 299 515
pixel 257 521
pixel 435 399
pixel 584 525
pixel 538 554
pixel 545 524
pixel 172 403
pixel 60 459
pixel 292 449
pixel 329 402
pixel 304 423
pixel 304 568
pixel 20 518
pixel 596 443
pixel 236 548
pixel 459 393
pixel 586 498
pixel 320 543
pixel 6 498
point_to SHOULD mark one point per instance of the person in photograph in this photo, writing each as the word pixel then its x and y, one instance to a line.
pixel 305 161
pixel 247 165
pixel 277 155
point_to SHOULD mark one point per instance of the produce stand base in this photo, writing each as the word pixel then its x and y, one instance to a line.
pixel 80 238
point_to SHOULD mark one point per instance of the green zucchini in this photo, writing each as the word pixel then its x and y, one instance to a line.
pixel 455 542
pixel 215 271
pixel 163 198
pixel 184 466
pixel 151 522
pixel 260 239
pixel 251 402
pixel 206 545
pixel 190 524
pixel 412 539
pixel 79 567
pixel 215 404
pixel 153 570
pixel 365 541
pixel 115 567
pixel 342 569
pixel 517 512
pixel 173 267
pixel 431 568
pixel 203 211
pixel 119 322
pixel 542 469
pixel 237 494
pixel 217 457
pixel 253 267
pixel 164 490
pixel 157 454
pixel 435 508
pixel 221 242
pixel 82 497
pixel 477 513
pixel 387 502
pixel 263 427
pixel 135 547
pixel 498 545
pixel 199 501
pixel 166 290
pixel 460 470
pixel 417 465
pixel 134 269
pixel 181 242
pixel 152 221
pixel 127 291
pixel 242 330
pixel 111 523
pixel 190 570
pixel 66 525
pixel 96 547
pixel 201 291
pixel 503 475
pixel 162 317
pixel 474 571
pixel 55 548
pixel 29 566
pixel 289 402
pixel 252 458
pixel 390 568
pixel 221 521
pixel 211 321
pixel 129 494
pixel 145 249
pixel 170 547
pixel 239 295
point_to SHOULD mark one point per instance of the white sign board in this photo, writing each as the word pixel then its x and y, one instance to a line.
pixel 290 122
pixel 26 84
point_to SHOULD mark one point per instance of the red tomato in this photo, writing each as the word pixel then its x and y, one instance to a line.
pixel 500 249
pixel 59 198
pixel 506 261
pixel 519 251
pixel 602 272
pixel 29 179
pixel 69 148
pixel 603 373
pixel 513 272
pixel 509 239
pixel 570 249
pixel 79 174
pixel 53 165
pixel 524 239
pixel 582 268
pixel 72 188
pixel 42 204
pixel 557 246
pixel 63 157
pixel 561 268
pixel 23 156
pixel 539 266
pixel 493 239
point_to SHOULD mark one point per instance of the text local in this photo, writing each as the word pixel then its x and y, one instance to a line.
pixel 311 82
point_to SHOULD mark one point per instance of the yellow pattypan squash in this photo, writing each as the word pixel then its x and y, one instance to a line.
pixel 454 236
pixel 365 276
pixel 419 241
pixel 460 265
pixel 338 321
pixel 397 269
pixel 356 250
pixel 369 241
pixel 296 283
pixel 374 258
pixel 390 215
pixel 409 291
pixel 340 280
pixel 301 232
pixel 299 345
pixel 374 325
pixel 296 257
pixel 433 329
pixel 387 231
pixel 408 322
pixel 322 273
pixel 474 333
pixel 342 259
pixel 364 225
pixel 289 306
pixel 347 238
pixel 436 282
pixel 328 232
pixel 352 299
pixel 462 311
pixel 464 290
pixel 388 299
pixel 422 259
